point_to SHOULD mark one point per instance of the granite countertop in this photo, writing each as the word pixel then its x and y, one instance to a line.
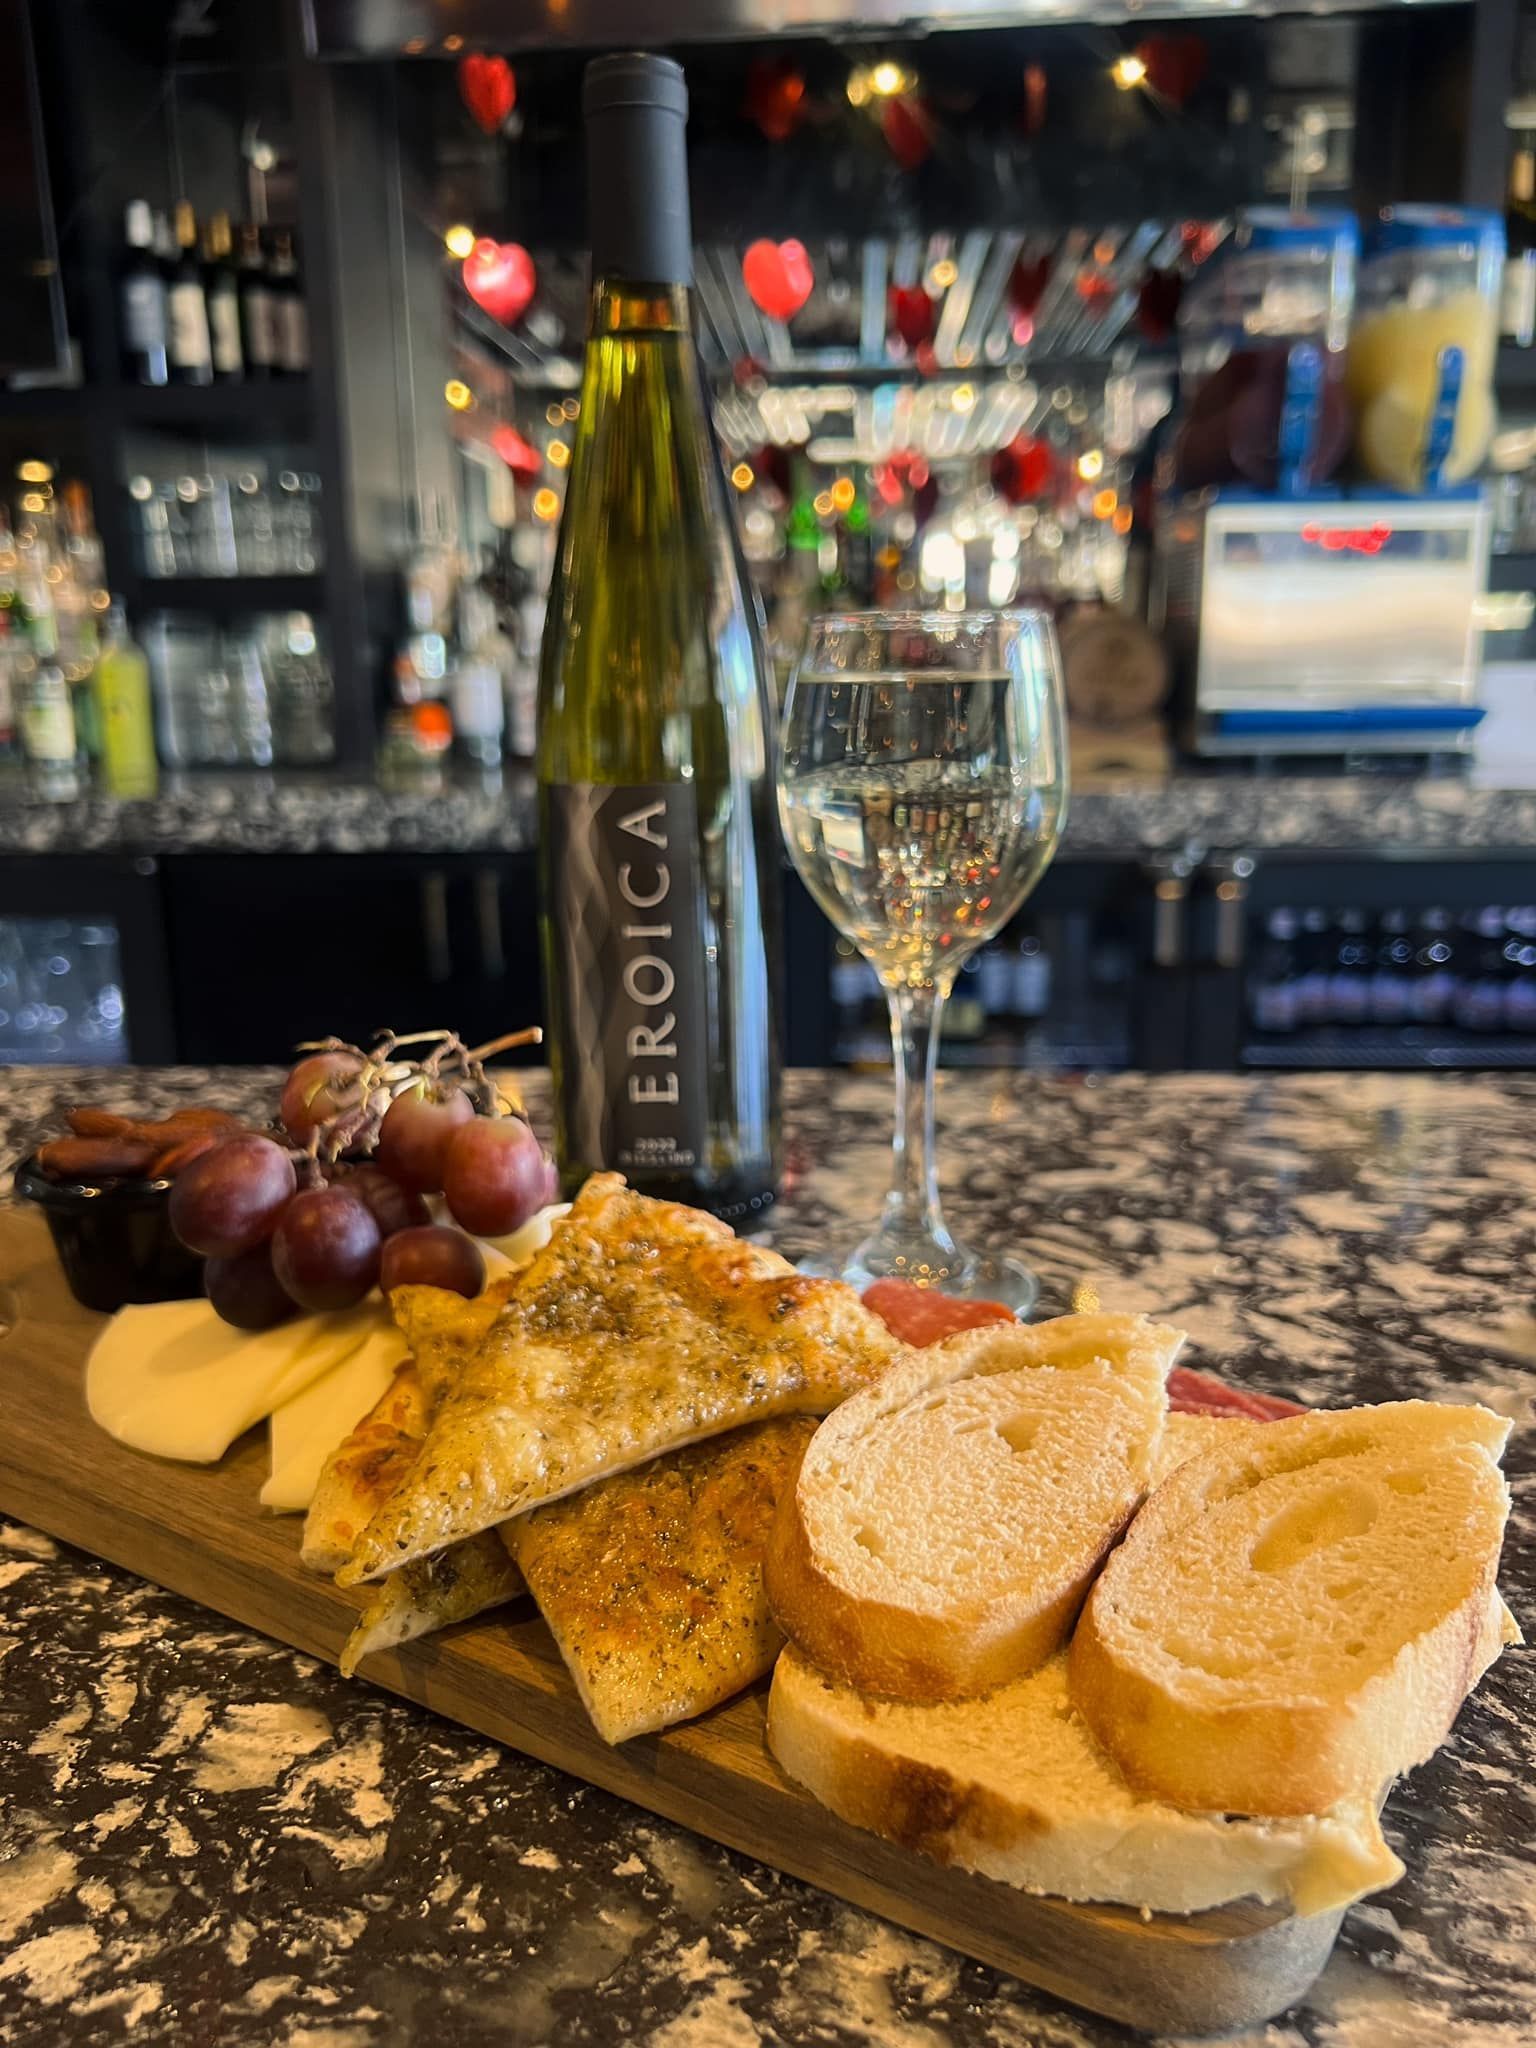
pixel 333 814
pixel 210 1838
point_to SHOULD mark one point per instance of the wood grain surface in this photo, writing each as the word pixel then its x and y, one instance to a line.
pixel 198 1530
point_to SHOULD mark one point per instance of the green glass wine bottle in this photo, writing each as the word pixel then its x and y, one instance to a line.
pixel 658 871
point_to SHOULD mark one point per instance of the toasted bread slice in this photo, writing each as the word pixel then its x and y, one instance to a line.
pixel 652 1582
pixel 948 1520
pixel 1015 1786
pixel 1296 1617
pixel 640 1327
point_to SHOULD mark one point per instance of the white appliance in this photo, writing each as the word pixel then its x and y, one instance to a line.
pixel 1327 623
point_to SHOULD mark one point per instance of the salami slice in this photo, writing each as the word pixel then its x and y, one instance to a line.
pixel 919 1315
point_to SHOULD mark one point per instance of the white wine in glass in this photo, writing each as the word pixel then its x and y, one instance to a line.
pixel 923 789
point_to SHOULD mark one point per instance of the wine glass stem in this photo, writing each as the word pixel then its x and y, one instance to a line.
pixel 912 1205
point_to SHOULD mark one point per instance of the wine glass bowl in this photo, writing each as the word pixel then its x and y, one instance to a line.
pixel 922 788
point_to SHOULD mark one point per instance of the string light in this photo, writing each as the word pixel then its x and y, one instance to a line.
pixel 34 472
pixel 458 394
pixel 558 454
pixel 888 79
pixel 822 503
pixel 943 274
pixel 1122 519
pixel 459 240
pixel 1090 464
pixel 842 494
pixel 555 415
pixel 963 397
pixel 743 476
pixel 1128 72
pixel 1104 503
pixel 546 504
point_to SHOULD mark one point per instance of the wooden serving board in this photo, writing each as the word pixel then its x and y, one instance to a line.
pixel 198 1530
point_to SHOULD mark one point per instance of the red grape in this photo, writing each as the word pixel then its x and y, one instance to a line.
pixel 231 1198
pixel 325 1250
pixel 495 1176
pixel 433 1257
pixel 245 1291
pixel 392 1206
pixel 312 1092
pixel 415 1132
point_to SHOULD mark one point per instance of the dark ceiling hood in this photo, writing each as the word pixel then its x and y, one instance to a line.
pixel 439 28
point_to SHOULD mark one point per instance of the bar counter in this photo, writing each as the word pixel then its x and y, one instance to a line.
pixel 320 813
pixel 211 1838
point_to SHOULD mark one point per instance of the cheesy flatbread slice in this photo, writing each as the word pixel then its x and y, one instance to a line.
pixel 652 1583
pixel 640 1327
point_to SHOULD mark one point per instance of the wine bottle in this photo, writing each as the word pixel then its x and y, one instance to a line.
pixel 141 300
pixel 658 878
pixel 191 346
pixel 258 308
pixel 223 298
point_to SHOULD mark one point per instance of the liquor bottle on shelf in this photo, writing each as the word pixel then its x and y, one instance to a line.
pixel 1434 976
pixel 290 314
pixel 190 345
pixel 141 307
pixel 125 713
pixel 223 296
pixel 1349 984
pixel 1392 982
pixel 658 877
pixel 47 719
pixel 1478 1001
pixel 1273 995
pixel 1517 303
pixel 258 307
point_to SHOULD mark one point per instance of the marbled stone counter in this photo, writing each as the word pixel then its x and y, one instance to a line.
pixel 323 814
pixel 212 1839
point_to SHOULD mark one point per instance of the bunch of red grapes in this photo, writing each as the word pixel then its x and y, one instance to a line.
pixel 285 1227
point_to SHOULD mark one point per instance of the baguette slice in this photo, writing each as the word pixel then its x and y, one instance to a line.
pixel 948 1519
pixel 1297 1617
pixel 1014 1786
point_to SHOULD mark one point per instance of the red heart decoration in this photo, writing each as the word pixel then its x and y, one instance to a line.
pixel 908 132
pixel 910 311
pixel 488 87
pixel 500 277
pixel 520 456
pixel 778 277
pixel 775 97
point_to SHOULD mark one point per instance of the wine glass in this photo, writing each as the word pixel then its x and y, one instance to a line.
pixel 922 787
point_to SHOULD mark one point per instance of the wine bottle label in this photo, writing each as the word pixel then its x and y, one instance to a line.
pixel 188 309
pixel 144 312
pixel 625 899
pixel 293 336
pixel 224 332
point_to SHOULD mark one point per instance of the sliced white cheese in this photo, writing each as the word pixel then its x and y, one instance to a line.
pixel 305 1430
pixel 173 1379
pixel 505 1254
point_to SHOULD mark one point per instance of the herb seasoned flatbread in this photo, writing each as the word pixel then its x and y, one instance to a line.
pixel 652 1582
pixel 640 1327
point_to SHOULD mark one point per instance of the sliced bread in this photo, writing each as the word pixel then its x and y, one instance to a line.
pixel 1015 1786
pixel 1296 1615
pixel 948 1520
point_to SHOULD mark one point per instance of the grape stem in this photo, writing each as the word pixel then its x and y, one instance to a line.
pixel 381 1076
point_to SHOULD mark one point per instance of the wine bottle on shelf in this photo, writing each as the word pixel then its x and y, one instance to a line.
pixel 141 301
pixel 223 296
pixel 258 308
pixel 658 882
pixel 190 345
pixel 289 312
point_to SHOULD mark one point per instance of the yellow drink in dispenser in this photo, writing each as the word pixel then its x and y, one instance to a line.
pixel 1429 284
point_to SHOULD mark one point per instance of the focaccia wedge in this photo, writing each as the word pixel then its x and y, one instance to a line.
pixel 652 1582
pixel 361 1472
pixel 640 1327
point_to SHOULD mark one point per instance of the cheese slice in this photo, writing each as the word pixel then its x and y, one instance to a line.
pixel 305 1430
pixel 171 1378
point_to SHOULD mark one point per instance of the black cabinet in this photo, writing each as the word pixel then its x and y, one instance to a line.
pixel 83 975
pixel 273 949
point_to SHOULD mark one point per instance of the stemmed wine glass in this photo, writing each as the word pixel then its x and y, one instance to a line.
pixel 922 788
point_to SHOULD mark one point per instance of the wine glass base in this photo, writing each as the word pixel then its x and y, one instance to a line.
pixel 972 1278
